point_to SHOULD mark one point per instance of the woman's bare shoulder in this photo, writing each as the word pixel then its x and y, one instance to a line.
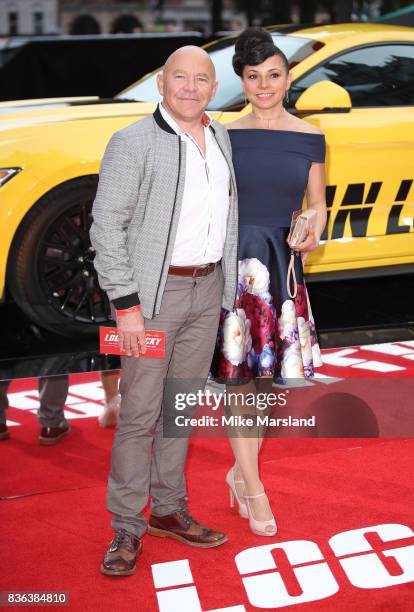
pixel 300 125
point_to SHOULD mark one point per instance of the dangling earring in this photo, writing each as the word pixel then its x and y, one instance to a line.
pixel 287 97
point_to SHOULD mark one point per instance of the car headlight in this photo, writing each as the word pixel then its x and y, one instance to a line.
pixel 7 173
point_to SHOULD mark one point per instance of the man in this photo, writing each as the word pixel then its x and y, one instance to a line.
pixel 165 236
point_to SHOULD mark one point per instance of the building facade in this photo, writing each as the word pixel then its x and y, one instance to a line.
pixel 28 17
pixel 116 16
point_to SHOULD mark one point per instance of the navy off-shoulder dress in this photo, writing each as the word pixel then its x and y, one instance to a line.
pixel 269 334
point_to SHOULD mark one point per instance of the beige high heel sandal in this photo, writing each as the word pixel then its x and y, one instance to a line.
pixel 233 493
pixel 261 528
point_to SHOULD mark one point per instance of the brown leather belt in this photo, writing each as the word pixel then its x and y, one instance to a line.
pixel 192 270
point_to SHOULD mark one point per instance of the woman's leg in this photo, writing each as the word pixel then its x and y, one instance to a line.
pixel 110 384
pixel 246 443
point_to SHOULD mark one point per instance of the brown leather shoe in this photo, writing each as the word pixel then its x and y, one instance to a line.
pixel 52 435
pixel 4 432
pixel 120 558
pixel 181 526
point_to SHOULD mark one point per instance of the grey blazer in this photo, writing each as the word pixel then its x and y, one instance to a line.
pixel 137 209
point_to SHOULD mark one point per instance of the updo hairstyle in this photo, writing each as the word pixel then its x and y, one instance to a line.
pixel 253 47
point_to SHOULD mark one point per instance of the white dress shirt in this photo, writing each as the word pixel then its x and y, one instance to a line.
pixel 202 225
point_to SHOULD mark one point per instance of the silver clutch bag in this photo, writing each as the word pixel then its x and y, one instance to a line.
pixel 299 229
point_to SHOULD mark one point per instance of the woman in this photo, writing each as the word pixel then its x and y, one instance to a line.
pixel 277 158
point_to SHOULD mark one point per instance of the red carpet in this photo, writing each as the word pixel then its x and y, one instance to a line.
pixel 324 493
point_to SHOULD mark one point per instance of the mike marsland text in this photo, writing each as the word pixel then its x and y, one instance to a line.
pixel 241 421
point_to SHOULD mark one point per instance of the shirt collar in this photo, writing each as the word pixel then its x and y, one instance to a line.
pixel 205 120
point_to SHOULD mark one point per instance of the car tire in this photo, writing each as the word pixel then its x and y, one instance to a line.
pixel 50 273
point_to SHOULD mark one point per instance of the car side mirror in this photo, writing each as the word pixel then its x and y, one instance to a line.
pixel 324 96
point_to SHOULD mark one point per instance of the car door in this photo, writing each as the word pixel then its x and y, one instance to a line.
pixel 370 159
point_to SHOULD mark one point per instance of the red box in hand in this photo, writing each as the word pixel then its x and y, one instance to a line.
pixel 108 341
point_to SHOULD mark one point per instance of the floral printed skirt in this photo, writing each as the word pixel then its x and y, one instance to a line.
pixel 268 334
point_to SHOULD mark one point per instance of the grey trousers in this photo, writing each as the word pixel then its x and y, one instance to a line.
pixel 52 394
pixel 144 463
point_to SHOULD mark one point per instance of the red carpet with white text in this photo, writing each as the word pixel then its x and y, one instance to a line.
pixel 344 509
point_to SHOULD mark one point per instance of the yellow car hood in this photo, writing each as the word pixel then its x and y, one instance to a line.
pixel 52 113
pixel 25 105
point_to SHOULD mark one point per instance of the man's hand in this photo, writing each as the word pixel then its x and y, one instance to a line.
pixel 132 333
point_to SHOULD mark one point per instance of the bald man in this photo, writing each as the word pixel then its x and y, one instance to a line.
pixel 165 235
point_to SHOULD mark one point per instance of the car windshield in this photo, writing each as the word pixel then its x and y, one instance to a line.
pixel 229 94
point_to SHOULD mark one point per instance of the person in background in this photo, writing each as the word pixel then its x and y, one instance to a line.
pixel 53 391
pixel 112 402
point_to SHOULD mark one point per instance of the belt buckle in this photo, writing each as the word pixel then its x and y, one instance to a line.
pixel 204 270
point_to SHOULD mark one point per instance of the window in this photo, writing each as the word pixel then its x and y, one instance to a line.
pixel 378 75
pixel 13 23
pixel 229 95
pixel 38 22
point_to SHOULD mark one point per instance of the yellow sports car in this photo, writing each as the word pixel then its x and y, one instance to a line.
pixel 354 81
